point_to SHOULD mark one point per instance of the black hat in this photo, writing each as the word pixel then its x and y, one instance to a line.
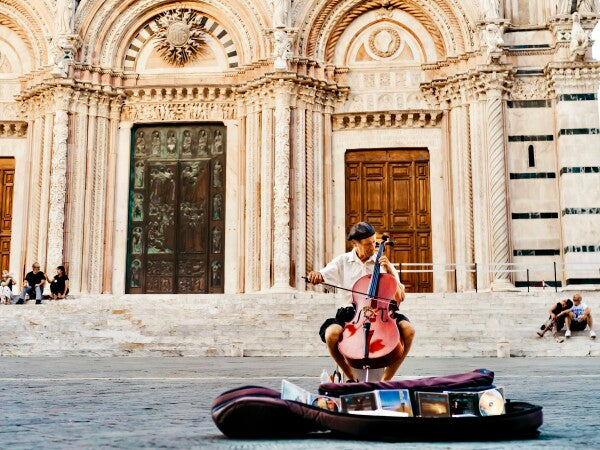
pixel 360 231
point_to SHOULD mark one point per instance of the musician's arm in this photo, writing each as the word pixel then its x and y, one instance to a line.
pixel 330 274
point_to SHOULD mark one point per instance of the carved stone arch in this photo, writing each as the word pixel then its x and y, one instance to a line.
pixel 25 25
pixel 109 28
pixel 209 24
pixel 324 24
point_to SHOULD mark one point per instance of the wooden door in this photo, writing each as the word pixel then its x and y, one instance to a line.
pixel 7 186
pixel 390 190
pixel 177 210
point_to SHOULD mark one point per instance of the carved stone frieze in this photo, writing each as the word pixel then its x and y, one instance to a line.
pixel 178 111
pixel 388 119
pixel 529 88
pixel 573 77
pixel 13 129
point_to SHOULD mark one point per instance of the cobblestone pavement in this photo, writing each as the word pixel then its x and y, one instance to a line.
pixel 165 402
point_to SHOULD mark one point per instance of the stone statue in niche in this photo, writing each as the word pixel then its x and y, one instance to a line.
pixel 64 16
pixel 186 145
pixel 140 144
pixel 136 241
pixel 217 234
pixel 579 40
pixel 202 144
pixel 217 211
pixel 162 185
pixel 135 273
pixel 218 143
pixel 171 143
pixel 155 143
pixel 281 13
pixel 217 175
pixel 137 212
pixel 282 50
pixel 215 275
pixel 491 9
pixel 138 178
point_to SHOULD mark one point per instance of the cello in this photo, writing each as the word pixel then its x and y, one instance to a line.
pixel 371 340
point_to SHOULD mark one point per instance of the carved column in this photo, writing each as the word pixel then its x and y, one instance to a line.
pixel 319 203
pixel 58 183
pixel 266 197
pixel 252 238
pixel 300 239
pixel 281 204
pixel 500 245
pixel 121 212
pixel 33 213
pixel 310 193
pixel 44 195
pixel 77 162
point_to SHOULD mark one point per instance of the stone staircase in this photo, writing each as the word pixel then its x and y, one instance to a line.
pixel 447 325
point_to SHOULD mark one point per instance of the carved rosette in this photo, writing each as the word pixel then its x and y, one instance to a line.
pixel 58 189
pixel 281 204
pixel 180 37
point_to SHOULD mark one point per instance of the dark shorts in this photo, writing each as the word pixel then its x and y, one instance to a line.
pixel 344 315
pixel 578 326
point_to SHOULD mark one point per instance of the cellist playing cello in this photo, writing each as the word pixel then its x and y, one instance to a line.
pixel 344 271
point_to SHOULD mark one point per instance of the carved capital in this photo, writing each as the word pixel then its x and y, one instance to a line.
pixel 573 77
pixel 13 129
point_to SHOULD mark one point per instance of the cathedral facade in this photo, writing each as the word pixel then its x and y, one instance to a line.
pixel 214 146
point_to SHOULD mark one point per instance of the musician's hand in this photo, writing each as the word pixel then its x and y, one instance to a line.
pixel 315 277
pixel 385 262
pixel 400 293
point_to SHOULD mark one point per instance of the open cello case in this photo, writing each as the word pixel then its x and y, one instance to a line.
pixel 253 412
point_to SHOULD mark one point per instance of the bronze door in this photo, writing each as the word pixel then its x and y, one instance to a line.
pixel 7 186
pixel 390 190
pixel 176 238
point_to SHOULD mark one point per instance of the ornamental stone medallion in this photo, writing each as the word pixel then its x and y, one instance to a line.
pixel 384 42
pixel 180 36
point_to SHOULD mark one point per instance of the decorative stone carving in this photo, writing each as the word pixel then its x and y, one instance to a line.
pixel 13 129
pixel 64 16
pixel 384 42
pixel 587 6
pixel 58 188
pixel 282 50
pixel 492 37
pixel 180 37
pixel 281 190
pixel 529 88
pixel 490 9
pixel 391 119
pixel 179 111
pixel 579 40
pixel 281 13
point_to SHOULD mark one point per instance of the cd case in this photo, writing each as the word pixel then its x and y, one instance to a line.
pixel 490 402
pixel 290 391
pixel 393 402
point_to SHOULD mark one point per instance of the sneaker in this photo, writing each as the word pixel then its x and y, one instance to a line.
pixel 38 302
pixel 568 333
pixel 20 302
pixel 592 334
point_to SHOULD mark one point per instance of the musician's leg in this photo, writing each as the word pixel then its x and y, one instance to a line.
pixel 332 337
pixel 407 331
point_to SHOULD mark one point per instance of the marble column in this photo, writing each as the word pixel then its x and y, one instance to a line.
pixel 498 189
pixel 119 268
pixel 318 199
pixel 58 186
pixel 281 188
pixel 44 194
pixel 310 193
pixel 266 198
pixel 252 194
pixel 299 236
pixel 33 210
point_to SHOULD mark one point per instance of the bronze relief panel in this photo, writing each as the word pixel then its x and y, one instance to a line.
pixel 177 209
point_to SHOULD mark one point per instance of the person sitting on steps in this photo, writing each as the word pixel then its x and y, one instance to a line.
pixel 6 285
pixel 556 321
pixel 579 317
pixel 59 284
pixel 34 282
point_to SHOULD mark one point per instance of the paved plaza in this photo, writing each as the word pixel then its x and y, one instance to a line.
pixel 165 402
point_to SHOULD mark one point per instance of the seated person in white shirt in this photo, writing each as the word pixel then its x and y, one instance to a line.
pixel 579 317
pixel 344 271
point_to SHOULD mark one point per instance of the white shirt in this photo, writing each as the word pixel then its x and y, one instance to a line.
pixel 346 269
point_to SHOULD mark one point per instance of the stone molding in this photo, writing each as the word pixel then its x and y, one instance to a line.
pixel 388 119
pixel 13 129
pixel 573 77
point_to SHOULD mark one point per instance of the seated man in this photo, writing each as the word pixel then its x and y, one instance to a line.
pixel 579 317
pixel 556 321
pixel 344 271
pixel 34 282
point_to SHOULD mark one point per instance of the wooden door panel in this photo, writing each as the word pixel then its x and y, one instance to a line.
pixel 7 180
pixel 390 189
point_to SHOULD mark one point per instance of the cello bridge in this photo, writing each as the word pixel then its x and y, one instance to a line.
pixel 369 312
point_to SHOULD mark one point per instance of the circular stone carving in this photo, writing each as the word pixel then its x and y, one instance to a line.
pixel 178 33
pixel 384 42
